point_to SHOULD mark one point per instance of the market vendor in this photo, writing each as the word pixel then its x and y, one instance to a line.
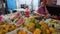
pixel 42 10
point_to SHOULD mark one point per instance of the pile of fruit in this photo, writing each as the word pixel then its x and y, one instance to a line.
pixel 39 27
pixel 5 27
pixel 55 23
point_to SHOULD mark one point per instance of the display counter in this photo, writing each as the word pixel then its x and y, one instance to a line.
pixel 30 25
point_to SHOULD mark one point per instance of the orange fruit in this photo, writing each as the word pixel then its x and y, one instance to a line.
pixel 23 32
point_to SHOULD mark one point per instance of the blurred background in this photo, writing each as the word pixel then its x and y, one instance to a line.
pixel 53 6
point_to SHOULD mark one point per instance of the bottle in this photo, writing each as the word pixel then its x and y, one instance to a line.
pixel 27 12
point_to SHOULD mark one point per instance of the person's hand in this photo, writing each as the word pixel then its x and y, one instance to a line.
pixel 38 14
pixel 42 15
pixel 54 16
pixel 48 15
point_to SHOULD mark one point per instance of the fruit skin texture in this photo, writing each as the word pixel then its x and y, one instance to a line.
pixel 52 29
pixel 45 26
pixel 41 22
pixel 22 32
pixel 30 24
pixel 47 31
pixel 37 31
pixel 19 32
pixel 32 19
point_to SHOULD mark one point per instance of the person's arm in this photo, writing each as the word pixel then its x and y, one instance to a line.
pixel 46 10
pixel 39 13
pixel 47 13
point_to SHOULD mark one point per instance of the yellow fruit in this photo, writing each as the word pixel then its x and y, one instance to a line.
pixel 5 31
pixel 19 32
pixel 41 22
pixel 30 24
pixel 28 29
pixel 1 33
pixel 52 29
pixel 23 32
pixel 32 18
pixel 12 27
pixel 27 25
pixel 47 31
pixel 45 26
pixel 37 31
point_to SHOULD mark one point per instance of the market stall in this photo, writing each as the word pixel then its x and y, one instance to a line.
pixel 15 23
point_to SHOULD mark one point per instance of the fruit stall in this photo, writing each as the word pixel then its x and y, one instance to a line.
pixel 17 24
